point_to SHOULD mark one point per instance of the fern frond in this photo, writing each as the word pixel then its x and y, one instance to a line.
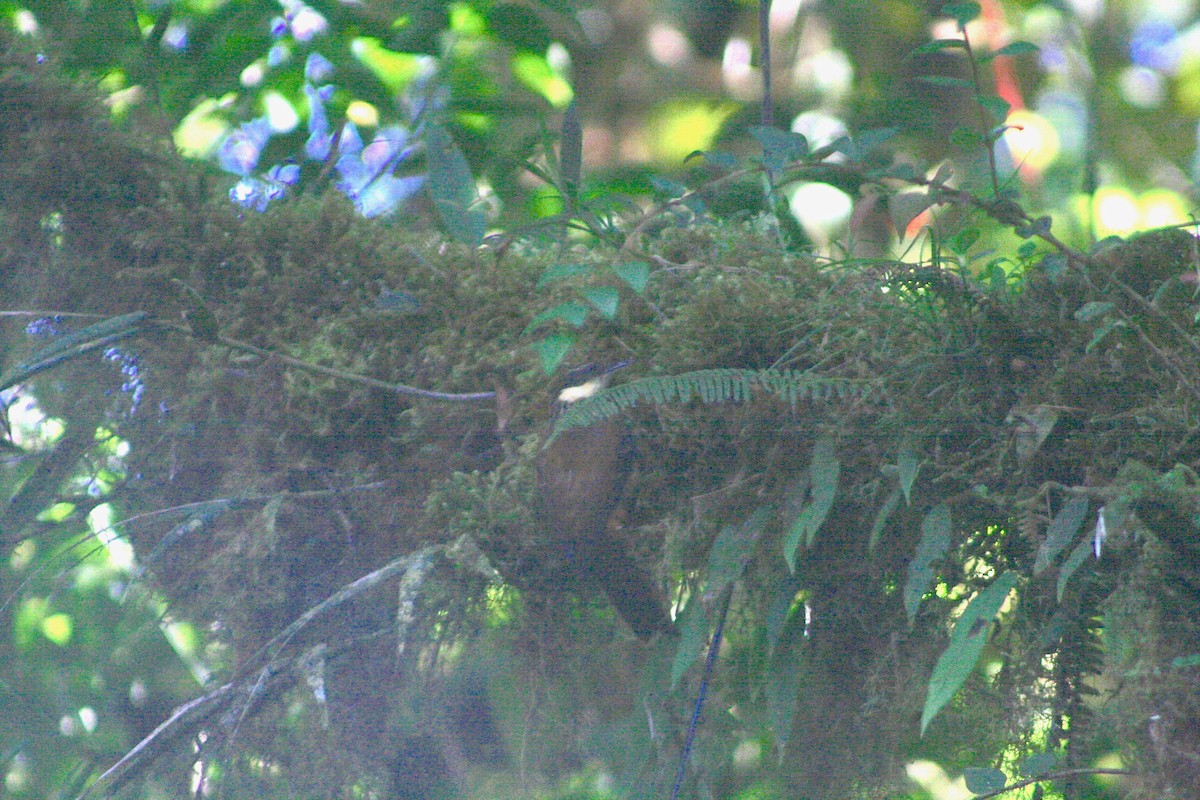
pixel 710 386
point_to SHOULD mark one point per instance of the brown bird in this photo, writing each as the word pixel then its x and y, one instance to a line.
pixel 581 480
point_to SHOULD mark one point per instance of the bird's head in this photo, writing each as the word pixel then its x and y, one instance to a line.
pixel 584 382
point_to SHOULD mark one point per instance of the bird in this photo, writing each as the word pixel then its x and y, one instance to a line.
pixel 581 476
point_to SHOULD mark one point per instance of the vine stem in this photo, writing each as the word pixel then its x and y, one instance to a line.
pixel 709 662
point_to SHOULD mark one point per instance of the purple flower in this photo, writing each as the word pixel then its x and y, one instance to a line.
pixel 240 151
pixel 319 138
pixel 317 68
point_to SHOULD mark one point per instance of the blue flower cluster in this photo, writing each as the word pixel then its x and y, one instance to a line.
pixel 366 173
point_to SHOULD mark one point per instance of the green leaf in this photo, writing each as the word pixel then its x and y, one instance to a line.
pixel 1072 565
pixel 869 141
pixel 606 299
pixel 966 139
pixel 903 208
pixel 784 678
pixel 981 780
pixel 909 464
pixel 716 158
pixel 823 477
pixel 575 314
pixel 452 188
pixel 938 45
pixel 1017 48
pixel 558 272
pixel 552 350
pixel 635 274
pixel 962 12
pixel 947 81
pixel 1038 764
pixel 966 645
pixel 1062 530
pixel 693 634
pixel 779 146
pixel 732 550
pixel 934 543
pixel 996 107
pixel 882 516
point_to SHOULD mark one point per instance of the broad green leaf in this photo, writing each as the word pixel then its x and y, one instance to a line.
pixel 1038 764
pixel 732 550
pixel 635 274
pixel 996 107
pixel 783 680
pixel 606 299
pixel 1072 565
pixel 934 543
pixel 981 780
pixel 903 208
pixel 574 314
pixel 967 139
pixel 693 634
pixel 1017 48
pixel 966 645
pixel 962 12
pixel 558 272
pixel 552 350
pixel 452 187
pixel 882 517
pixel 1062 530
pixel 823 477
pixel 869 141
pixel 908 465
pixel 779 146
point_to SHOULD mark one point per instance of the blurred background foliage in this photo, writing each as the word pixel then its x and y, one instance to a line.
pixel 272 94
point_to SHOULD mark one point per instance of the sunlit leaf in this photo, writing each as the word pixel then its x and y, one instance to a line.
pixel 966 645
